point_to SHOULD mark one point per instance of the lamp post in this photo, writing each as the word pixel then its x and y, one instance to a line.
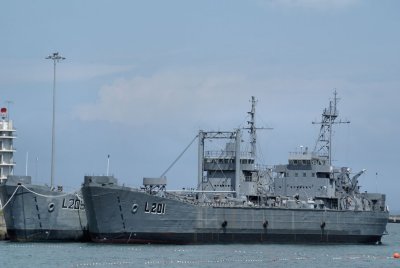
pixel 56 57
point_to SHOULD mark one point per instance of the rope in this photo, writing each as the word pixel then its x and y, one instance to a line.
pixel 11 197
pixel 50 196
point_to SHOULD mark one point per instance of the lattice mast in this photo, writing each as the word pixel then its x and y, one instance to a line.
pixel 323 145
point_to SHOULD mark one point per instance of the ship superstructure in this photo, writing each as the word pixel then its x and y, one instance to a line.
pixel 310 176
pixel 233 170
pixel 239 201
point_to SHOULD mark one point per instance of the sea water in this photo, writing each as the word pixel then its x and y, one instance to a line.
pixel 237 255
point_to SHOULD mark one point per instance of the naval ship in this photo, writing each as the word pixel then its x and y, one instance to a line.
pixel 238 200
pixel 35 212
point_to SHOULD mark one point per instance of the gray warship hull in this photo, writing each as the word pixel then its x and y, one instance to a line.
pixel 124 215
pixel 34 213
pixel 237 200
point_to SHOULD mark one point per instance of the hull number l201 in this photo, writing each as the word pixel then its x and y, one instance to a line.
pixel 155 208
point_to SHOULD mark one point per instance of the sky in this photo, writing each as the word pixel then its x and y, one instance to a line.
pixel 141 78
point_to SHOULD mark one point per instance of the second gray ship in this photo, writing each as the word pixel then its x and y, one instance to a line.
pixel 237 200
pixel 34 212
pixel 38 213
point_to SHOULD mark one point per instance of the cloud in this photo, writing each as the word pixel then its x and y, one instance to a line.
pixel 182 102
pixel 313 4
pixel 192 99
pixel 195 97
pixel 161 97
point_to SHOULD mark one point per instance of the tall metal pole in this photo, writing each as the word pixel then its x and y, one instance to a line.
pixel 108 164
pixel 56 58
pixel 238 171
pixel 26 163
pixel 8 109
pixel 200 163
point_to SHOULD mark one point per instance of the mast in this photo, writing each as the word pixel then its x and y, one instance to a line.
pixel 108 164
pixel 55 57
pixel 252 128
pixel 323 145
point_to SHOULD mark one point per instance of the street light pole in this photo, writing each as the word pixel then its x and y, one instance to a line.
pixel 56 58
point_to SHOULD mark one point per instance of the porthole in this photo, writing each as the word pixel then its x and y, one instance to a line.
pixel 51 207
pixel 135 208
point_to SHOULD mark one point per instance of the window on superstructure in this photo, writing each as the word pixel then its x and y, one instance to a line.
pixel 294 162
pixel 296 174
pixel 304 174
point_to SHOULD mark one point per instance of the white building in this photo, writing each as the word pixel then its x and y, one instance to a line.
pixel 7 136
